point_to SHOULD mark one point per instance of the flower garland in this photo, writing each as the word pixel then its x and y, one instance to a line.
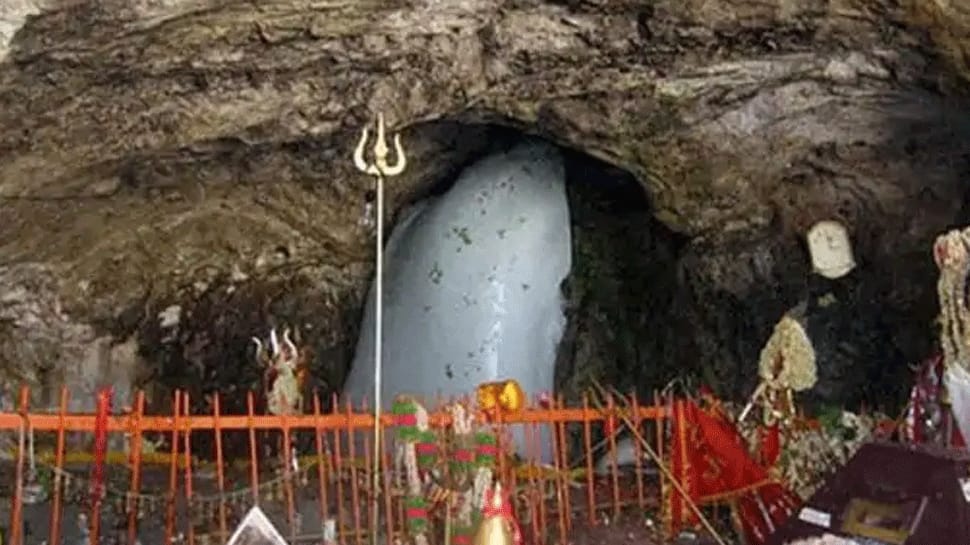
pixel 412 420
pixel 470 463
pixel 475 456
pixel 951 254
pixel 810 453
pixel 406 412
pixel 786 365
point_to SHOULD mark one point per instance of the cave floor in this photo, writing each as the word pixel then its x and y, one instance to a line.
pixel 628 528
pixel 621 533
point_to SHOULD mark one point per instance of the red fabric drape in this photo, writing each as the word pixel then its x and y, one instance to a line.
pixel 770 445
pixel 721 462
pixel 711 460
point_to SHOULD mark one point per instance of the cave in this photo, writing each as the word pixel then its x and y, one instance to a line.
pixel 623 261
pixel 166 163
pixel 646 307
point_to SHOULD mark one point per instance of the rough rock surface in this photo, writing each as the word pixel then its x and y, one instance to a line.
pixel 196 153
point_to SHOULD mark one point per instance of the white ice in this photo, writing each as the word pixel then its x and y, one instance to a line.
pixel 472 286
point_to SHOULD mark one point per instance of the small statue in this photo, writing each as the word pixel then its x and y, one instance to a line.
pixel 285 374
pixel 498 526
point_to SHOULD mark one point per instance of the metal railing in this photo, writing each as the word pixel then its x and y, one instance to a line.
pixel 192 483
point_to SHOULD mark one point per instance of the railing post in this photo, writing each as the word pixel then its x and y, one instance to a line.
pixel 187 423
pixel 253 459
pixel 135 461
pixel 588 456
pixel 220 471
pixel 322 472
pixel 55 530
pixel 173 469
pixel 16 513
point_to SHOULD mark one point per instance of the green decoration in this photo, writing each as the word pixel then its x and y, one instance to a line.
pixel 416 514
pixel 426 449
pixel 463 457
pixel 405 417
pixel 486 449
pixel 462 535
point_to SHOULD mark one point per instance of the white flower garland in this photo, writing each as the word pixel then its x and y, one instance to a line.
pixel 790 346
pixel 951 254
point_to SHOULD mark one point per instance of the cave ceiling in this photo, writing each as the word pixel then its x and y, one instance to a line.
pixel 147 148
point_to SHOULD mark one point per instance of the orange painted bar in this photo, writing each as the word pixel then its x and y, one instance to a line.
pixel 85 422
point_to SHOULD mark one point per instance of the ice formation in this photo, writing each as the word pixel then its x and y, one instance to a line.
pixel 472 285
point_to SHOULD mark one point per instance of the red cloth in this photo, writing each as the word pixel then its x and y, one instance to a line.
pixel 770 445
pixel 711 461
pixel 721 462
pixel 763 510
pixel 928 390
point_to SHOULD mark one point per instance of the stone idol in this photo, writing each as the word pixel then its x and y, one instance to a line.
pixel 830 249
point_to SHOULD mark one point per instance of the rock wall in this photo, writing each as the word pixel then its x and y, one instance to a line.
pixel 198 154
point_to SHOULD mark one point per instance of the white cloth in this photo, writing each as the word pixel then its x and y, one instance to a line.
pixel 958 388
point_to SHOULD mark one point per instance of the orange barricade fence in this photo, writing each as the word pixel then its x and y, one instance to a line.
pixel 189 478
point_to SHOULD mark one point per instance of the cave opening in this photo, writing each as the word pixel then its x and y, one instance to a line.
pixel 643 306
pixel 619 298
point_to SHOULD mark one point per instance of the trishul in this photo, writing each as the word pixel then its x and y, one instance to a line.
pixel 380 166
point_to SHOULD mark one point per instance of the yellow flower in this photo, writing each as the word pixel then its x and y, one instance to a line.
pixel 506 396
pixel 511 397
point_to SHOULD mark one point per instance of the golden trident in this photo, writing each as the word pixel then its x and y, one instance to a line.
pixel 379 169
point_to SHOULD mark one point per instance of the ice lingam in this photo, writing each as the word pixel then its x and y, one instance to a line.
pixel 472 285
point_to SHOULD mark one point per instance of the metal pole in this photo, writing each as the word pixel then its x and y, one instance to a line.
pixel 379 169
pixel 378 360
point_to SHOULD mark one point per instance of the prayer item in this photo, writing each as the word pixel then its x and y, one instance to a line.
pixel 498 526
pixel 950 252
pixel 831 249
pixel 786 365
pixel 504 397
pixel 788 358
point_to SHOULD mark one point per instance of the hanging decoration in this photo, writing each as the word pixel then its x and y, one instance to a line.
pixel 412 418
pixel 950 252
pixel 711 461
pixel 472 472
pixel 928 416
pixel 451 467
pixel 407 413
pixel 786 365
pixel 787 360
pixel 951 255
